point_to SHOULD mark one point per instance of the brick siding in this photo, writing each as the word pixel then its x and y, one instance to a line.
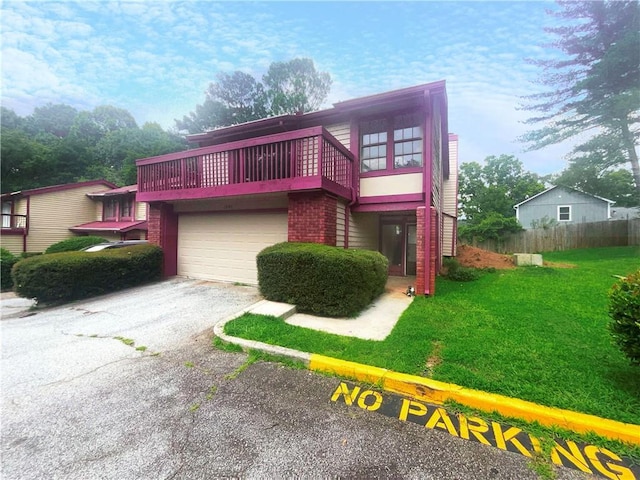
pixel 312 218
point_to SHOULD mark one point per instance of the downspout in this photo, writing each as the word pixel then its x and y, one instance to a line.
pixel 26 227
pixel 427 184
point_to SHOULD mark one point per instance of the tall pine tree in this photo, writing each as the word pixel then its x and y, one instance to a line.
pixel 595 87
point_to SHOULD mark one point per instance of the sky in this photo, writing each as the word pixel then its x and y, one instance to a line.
pixel 156 58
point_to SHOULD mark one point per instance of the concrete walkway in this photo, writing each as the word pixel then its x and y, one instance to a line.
pixel 374 323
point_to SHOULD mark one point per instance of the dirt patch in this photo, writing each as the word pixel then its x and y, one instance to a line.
pixel 474 257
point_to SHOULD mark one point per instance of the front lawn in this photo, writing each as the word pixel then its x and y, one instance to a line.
pixel 539 334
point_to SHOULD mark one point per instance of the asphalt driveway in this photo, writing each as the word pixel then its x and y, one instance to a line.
pixel 127 386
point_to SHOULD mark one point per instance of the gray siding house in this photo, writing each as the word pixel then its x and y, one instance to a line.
pixel 563 205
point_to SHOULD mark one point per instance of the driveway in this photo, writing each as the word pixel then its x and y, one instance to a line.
pixel 81 401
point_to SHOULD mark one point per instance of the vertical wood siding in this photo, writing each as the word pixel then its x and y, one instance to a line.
pixel 363 231
pixel 52 214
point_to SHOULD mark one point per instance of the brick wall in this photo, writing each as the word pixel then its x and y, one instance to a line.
pixel 426 255
pixel 312 218
pixel 162 224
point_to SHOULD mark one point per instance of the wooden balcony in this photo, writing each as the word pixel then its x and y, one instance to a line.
pixel 12 223
pixel 308 159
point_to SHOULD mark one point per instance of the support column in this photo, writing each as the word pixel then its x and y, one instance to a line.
pixel 426 250
pixel 421 265
pixel 162 224
pixel 312 218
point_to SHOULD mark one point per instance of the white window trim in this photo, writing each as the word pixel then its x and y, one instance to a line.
pixel 558 213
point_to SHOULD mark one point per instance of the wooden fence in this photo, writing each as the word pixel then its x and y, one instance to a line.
pixel 568 236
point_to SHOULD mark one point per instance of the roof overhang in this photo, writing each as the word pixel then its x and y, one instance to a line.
pixel 115 227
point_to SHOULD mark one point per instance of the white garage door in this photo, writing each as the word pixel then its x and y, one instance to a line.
pixel 224 246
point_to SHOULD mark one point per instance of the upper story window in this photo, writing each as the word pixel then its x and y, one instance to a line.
pixel 110 209
pixel 564 213
pixel 391 143
pixel 126 208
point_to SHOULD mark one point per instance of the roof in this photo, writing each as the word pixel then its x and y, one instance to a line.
pixel 57 188
pixel 567 188
pixel 115 191
pixel 290 122
pixel 110 226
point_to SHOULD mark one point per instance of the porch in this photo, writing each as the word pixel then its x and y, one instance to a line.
pixel 307 159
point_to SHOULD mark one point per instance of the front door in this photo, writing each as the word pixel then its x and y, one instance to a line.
pixel 398 244
pixel 392 246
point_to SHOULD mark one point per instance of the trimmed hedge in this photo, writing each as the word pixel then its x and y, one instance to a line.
pixel 624 310
pixel 320 279
pixel 74 244
pixel 7 261
pixel 73 275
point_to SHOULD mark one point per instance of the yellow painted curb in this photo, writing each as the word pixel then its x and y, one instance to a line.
pixel 433 391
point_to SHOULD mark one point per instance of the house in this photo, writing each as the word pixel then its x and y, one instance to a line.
pixel 367 173
pixel 119 215
pixel 563 205
pixel 32 220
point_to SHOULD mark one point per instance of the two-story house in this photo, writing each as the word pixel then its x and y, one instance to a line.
pixel 367 173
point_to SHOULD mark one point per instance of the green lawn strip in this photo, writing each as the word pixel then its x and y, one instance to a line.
pixel 539 334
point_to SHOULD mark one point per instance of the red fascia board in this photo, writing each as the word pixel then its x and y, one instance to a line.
pixel 388 207
pixel 116 191
pixel 385 199
pixel 57 188
pixel 249 142
pixel 393 96
pixel 271 186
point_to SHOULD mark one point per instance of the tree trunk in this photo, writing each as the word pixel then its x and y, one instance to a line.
pixel 633 155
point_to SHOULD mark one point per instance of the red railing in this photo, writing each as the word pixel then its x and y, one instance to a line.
pixel 14 221
pixel 300 154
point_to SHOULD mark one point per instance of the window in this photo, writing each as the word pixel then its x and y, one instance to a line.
pixel 6 214
pixel 126 208
pixel 389 144
pixel 374 146
pixel 110 209
pixel 564 213
pixel 407 142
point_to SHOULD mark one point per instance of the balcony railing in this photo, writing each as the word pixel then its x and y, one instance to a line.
pixel 301 159
pixel 13 222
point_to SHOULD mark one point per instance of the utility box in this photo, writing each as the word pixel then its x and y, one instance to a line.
pixel 527 259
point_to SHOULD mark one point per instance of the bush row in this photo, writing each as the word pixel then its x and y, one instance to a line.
pixel 74 275
pixel 7 261
pixel 320 279
pixel 74 243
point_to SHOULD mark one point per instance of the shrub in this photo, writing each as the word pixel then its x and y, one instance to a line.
pixel 320 279
pixel 494 226
pixel 74 243
pixel 624 310
pixel 73 275
pixel 7 261
pixel 454 271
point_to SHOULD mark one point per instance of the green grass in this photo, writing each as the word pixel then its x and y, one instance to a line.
pixel 539 334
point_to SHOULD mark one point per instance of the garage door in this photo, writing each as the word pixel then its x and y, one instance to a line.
pixel 224 246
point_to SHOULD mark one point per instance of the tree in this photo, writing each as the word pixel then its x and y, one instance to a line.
pixel 295 86
pixel 287 87
pixel 52 119
pixel 596 88
pixel 495 187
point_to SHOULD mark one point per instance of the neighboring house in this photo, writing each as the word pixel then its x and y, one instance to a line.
pixel 563 205
pixel 118 215
pixel 34 219
pixel 625 213
pixel 368 173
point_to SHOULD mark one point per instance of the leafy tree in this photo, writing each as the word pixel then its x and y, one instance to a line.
pixel 25 163
pixel 287 87
pixel 492 227
pixel 495 187
pixel 10 120
pixel 596 86
pixel 295 86
pixel 51 119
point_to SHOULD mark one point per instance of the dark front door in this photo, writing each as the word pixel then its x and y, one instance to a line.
pixel 393 246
